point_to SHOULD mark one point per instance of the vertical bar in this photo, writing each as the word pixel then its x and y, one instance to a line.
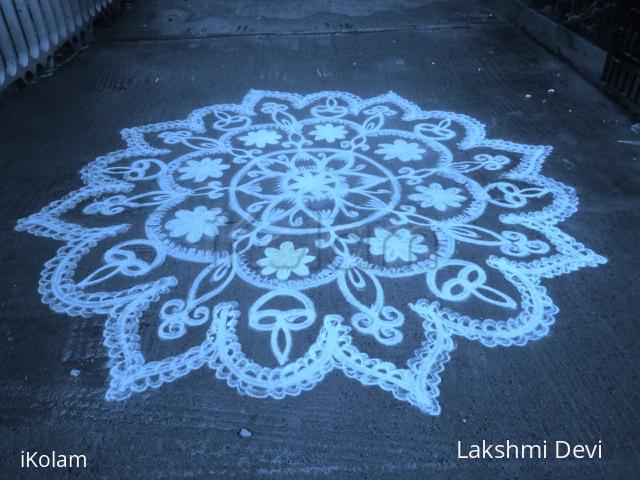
pixel 77 14
pixel 7 48
pixel 15 31
pixel 40 24
pixel 60 21
pixel 91 8
pixel 28 29
pixel 50 23
pixel 67 14
pixel 2 70
pixel 84 12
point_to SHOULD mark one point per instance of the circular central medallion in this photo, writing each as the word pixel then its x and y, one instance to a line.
pixel 422 215
pixel 301 191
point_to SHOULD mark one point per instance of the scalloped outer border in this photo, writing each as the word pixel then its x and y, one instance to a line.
pixel 221 351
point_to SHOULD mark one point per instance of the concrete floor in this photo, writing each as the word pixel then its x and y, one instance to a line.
pixel 164 59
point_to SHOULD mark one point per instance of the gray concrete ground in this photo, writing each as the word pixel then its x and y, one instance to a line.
pixel 164 59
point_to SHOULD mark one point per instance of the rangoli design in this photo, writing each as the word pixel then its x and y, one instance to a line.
pixel 279 239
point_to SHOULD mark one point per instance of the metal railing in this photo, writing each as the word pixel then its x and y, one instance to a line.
pixel 32 30
pixel 622 69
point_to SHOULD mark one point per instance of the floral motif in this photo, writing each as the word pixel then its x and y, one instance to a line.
pixel 261 138
pixel 325 232
pixel 193 224
pixel 402 150
pixel 437 197
pixel 396 245
pixel 328 132
pixel 285 260
pixel 319 189
pixel 199 171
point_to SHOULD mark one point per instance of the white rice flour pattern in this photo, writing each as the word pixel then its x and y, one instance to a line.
pixel 364 221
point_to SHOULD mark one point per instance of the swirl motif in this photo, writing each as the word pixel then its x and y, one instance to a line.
pixel 327 213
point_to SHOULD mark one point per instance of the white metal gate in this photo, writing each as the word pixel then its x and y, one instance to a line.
pixel 31 30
